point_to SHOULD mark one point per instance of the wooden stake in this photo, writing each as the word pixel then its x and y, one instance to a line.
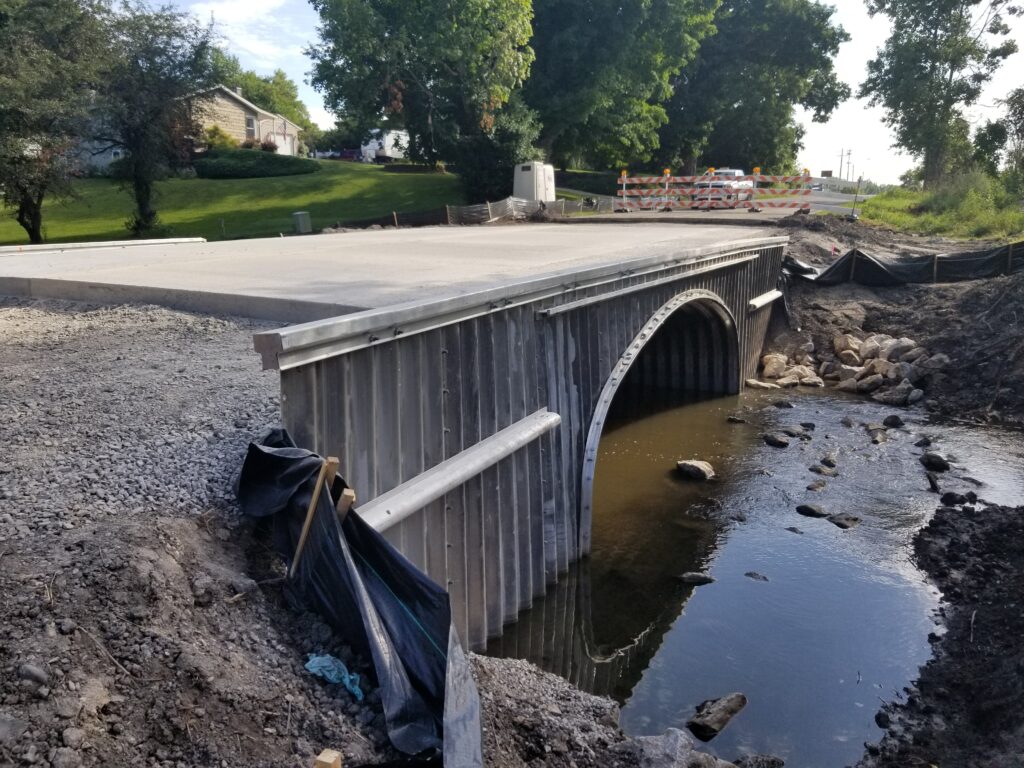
pixel 329 758
pixel 394 215
pixel 348 498
pixel 324 470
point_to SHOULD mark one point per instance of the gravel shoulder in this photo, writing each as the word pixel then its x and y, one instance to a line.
pixel 141 620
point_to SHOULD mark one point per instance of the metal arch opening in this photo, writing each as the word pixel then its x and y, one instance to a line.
pixel 690 344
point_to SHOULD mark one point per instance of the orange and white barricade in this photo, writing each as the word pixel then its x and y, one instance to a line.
pixel 710 192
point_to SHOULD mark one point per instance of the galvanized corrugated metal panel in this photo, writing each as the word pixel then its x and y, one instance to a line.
pixel 395 394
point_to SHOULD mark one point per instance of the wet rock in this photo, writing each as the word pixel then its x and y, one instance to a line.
pixel 755 576
pixel 714 714
pixel 794 529
pixel 844 521
pixel 695 470
pixel 33 673
pixel 952 499
pixel 824 471
pixel 871 383
pixel 849 385
pixel 846 421
pixel 783 404
pixel 812 381
pixel 774 366
pixel 924 442
pixel 673 749
pixel 760 761
pixel 792 430
pixel 810 426
pixel 755 384
pixel 799 372
pixel 788 382
pixel 933 481
pixel 893 422
pixel 817 485
pixel 935 462
pixel 897 395
pixel 829 460
pixel 915 397
pixel 732 419
pixel 811 510
pixel 776 440
pixel 696 578
pixel 882 720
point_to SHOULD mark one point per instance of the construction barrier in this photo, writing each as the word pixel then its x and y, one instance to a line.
pixel 671 193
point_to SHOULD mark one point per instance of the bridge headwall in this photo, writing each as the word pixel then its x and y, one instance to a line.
pixel 465 425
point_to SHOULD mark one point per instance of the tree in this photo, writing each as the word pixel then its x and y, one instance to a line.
pixel 989 142
pixel 937 60
pixel 275 93
pixel 148 102
pixel 50 52
pixel 603 69
pixel 444 69
pixel 735 106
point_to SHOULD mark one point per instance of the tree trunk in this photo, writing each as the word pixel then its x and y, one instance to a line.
pixel 30 216
pixel 145 216
pixel 934 165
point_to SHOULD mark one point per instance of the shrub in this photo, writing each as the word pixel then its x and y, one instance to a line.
pixel 217 138
pixel 268 145
pixel 250 144
pixel 249 164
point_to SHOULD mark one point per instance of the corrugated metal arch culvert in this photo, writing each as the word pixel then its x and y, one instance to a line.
pixel 724 341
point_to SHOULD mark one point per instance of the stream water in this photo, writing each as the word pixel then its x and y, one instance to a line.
pixel 842 621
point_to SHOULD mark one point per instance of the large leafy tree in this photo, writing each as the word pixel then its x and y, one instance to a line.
pixel 50 55
pixel 937 60
pixel 735 106
pixel 603 69
pixel 445 69
pixel 276 93
pixel 148 104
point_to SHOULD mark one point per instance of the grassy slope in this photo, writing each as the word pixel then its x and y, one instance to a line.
pixel 972 218
pixel 341 191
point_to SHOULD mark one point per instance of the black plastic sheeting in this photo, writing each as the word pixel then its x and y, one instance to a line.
pixel 379 603
pixel 874 270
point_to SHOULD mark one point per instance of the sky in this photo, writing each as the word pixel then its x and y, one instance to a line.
pixel 271 34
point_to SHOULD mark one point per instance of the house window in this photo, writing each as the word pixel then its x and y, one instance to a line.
pixel 250 127
pixel 115 154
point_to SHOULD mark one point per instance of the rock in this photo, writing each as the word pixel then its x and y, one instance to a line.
pixel 755 384
pixel 846 421
pixel 11 728
pixel 934 363
pixel 783 404
pixel 893 421
pixel 735 419
pixel 871 383
pixel 935 462
pixel 915 397
pixel 849 385
pixel 673 749
pixel 714 714
pixel 897 395
pixel 695 470
pixel 696 578
pixel 933 481
pixel 844 521
pixel 825 471
pixel 850 358
pixel 792 430
pixel 952 499
pixel 73 737
pixel 787 382
pixel 243 585
pixel 882 720
pixel 774 365
pixel 36 674
pixel 799 372
pixel 812 381
pixel 760 761
pixel 901 371
pixel 875 367
pixel 202 590
pixel 913 355
pixel 878 436
pixel 848 371
pixel 66 757
pixel 810 426
pixel 776 440
pixel 869 349
pixel 755 576
pixel 794 529
pixel 896 349
pixel 845 343
pixel 817 485
pixel 811 510
pixel 924 442
pixel 829 460
pixel 67 626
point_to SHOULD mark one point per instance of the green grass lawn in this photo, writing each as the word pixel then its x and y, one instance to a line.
pixel 219 209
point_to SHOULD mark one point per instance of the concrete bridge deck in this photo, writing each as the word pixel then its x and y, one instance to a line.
pixel 304 278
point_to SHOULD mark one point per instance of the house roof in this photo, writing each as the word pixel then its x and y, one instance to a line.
pixel 231 93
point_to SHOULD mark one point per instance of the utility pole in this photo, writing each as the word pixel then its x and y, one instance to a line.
pixel 849 165
pixel 842 154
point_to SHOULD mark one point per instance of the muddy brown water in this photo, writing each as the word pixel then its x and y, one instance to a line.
pixel 842 622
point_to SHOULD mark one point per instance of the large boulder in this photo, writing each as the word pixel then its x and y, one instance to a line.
pixel 800 371
pixel 755 384
pixel 913 355
pixel 897 395
pixel 714 714
pixel 673 749
pixel 894 350
pixel 774 365
pixel 695 470
pixel 871 383
pixel 848 372
pixel 849 385
pixel 846 343
pixel 934 363
pixel 812 381
pixel 875 367
pixel 789 381
pixel 869 349
pixel 849 357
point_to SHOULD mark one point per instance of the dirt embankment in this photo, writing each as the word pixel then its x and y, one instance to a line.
pixel 141 620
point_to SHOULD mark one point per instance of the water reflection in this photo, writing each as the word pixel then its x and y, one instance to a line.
pixel 844 617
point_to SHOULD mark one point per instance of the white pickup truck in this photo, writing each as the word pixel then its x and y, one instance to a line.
pixel 724 186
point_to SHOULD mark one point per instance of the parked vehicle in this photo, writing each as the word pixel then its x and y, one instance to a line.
pixel 385 146
pixel 724 185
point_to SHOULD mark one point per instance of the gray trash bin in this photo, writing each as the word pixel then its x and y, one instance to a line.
pixel 301 222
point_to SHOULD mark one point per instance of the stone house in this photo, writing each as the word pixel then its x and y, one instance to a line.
pixel 241 119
